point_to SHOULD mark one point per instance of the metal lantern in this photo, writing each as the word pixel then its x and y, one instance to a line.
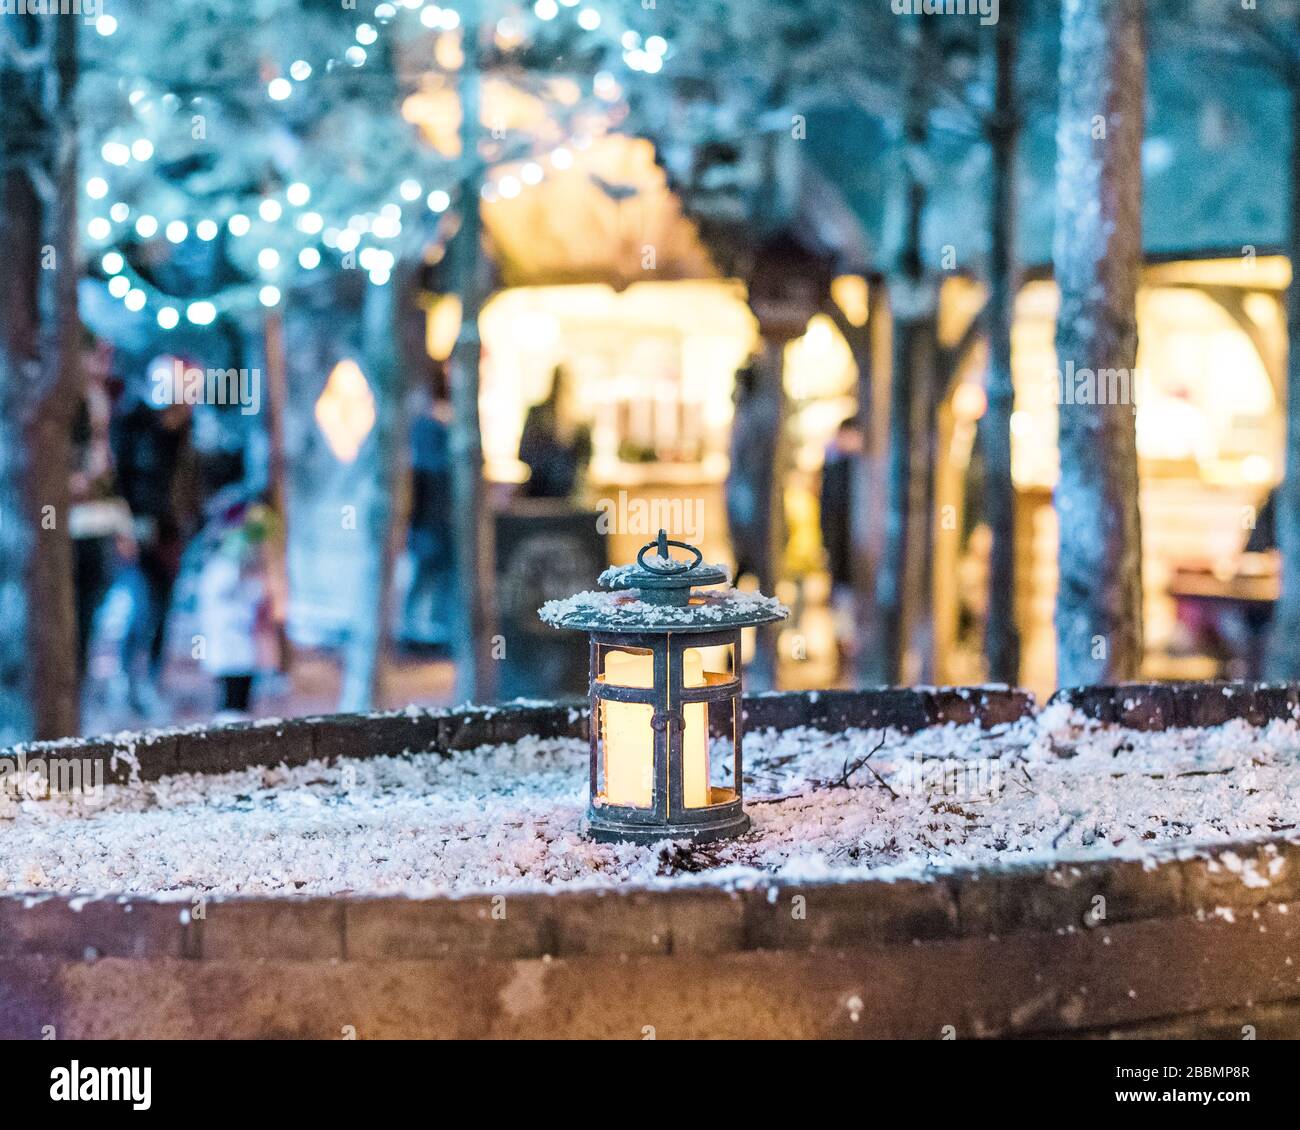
pixel 665 696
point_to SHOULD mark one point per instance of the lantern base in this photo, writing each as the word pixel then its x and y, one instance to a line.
pixel 601 826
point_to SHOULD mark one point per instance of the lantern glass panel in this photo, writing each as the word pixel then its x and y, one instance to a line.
pixel 702 666
pixel 723 782
pixel 717 660
pixel 625 767
pixel 695 733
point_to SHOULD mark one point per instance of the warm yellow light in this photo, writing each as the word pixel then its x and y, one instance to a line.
pixel 436 110
pixel 1269 272
pixel 1262 309
pixel 447 51
pixel 629 739
pixel 969 401
pixel 443 326
pixel 345 411
pixel 1257 469
pixel 820 337
pixel 849 293
pixel 819 364
pixel 508 34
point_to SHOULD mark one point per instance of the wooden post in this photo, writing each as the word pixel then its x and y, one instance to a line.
pixel 1097 259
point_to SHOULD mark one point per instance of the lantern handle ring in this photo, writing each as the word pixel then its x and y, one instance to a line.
pixel 674 566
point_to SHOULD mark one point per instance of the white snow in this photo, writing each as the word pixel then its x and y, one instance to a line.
pixel 618 576
pixel 627 609
pixel 825 806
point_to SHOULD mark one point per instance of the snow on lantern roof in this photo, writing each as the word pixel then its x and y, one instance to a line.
pixel 628 576
pixel 661 593
pixel 626 611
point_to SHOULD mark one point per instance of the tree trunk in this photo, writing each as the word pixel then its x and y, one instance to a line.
pixel 1001 635
pixel 363 653
pixel 864 491
pixel 1284 644
pixel 1097 257
pixel 475 662
pixel 916 659
pixel 764 665
pixel 277 401
pixel 38 376
pixel 903 581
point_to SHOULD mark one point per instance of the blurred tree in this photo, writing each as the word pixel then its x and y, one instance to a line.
pixel 38 375
pixel 975 113
pixel 1097 260
pixel 1001 636
pixel 474 537
pixel 904 578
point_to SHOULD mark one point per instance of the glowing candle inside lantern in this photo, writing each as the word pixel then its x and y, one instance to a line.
pixel 629 738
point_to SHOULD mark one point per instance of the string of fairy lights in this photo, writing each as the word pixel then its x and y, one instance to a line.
pixel 292 211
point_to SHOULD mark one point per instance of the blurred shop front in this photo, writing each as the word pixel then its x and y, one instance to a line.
pixel 1209 390
pixel 649 376
pixel 603 279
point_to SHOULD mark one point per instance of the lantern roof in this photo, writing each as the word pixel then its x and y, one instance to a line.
pixel 662 593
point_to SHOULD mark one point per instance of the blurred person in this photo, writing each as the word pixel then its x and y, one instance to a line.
pixel 156 475
pixel 1263 535
pixel 99 521
pixel 1258 618
pixel 1232 629
pixel 237 604
pixel 230 445
pixel 222 446
pixel 429 540
pixel 749 480
pixel 555 450
pixel 836 515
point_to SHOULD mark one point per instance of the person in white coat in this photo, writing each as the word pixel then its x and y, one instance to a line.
pixel 237 608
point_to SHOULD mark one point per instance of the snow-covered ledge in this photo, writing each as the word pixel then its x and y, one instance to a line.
pixel 1197 932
